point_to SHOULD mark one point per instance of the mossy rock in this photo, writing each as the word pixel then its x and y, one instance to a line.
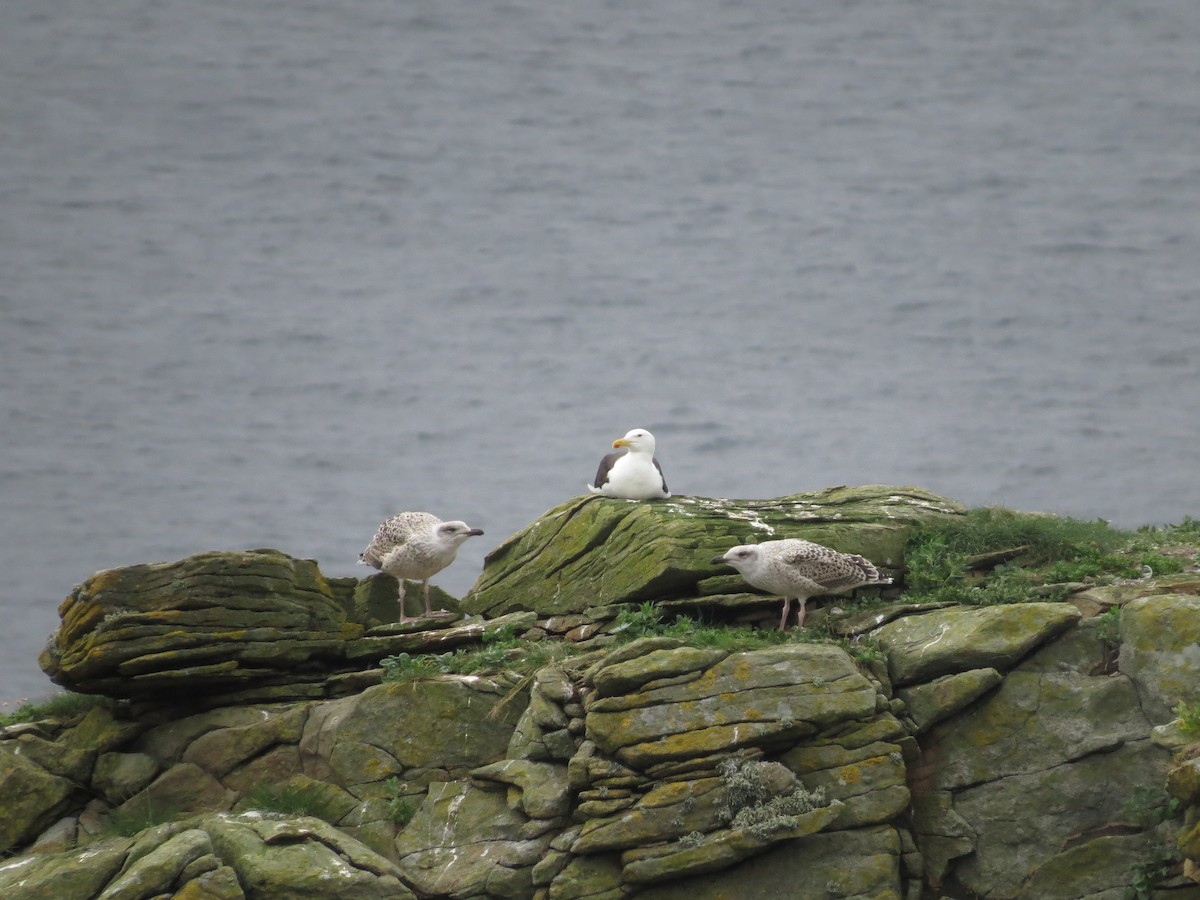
pixel 32 797
pixel 1160 651
pixel 466 842
pixel 222 618
pixel 861 863
pixel 596 550
pixel 1024 822
pixel 959 639
pixel 757 698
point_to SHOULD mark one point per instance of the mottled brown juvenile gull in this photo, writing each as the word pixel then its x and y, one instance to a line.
pixel 415 545
pixel 800 569
pixel 631 472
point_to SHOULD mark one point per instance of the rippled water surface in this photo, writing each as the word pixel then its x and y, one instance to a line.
pixel 273 271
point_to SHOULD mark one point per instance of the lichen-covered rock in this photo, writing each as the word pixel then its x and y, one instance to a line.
pixel 467 842
pixel 1103 866
pixel 1016 746
pixel 863 864
pixel 869 779
pixel 256 626
pixel 1005 790
pixel 222 750
pixel 589 878
pixel 184 787
pixel 211 858
pixel 596 550
pixel 32 797
pixel 613 679
pixel 927 704
pixel 722 849
pixel 667 812
pixel 1026 822
pixel 302 857
pixel 454 724
pixel 118 776
pixel 944 835
pixel 758 698
pixel 155 872
pixel 1160 649
pixel 71 875
pixel 952 640
pixel 542 788
pixel 1100 598
pixel 1036 722
pixel 225 618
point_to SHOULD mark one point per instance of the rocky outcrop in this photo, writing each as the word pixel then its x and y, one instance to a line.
pixel 594 551
pixel 236 627
pixel 1015 751
pixel 651 768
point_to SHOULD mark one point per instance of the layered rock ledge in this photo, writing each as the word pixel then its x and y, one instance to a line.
pixel 934 751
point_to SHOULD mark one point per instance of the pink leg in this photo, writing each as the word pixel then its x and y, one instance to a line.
pixel 787 606
pixel 800 615
pixel 403 617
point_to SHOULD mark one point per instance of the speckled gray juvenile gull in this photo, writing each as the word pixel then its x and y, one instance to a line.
pixel 415 545
pixel 800 569
pixel 631 472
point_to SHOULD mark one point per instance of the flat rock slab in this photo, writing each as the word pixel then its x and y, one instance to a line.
pixel 958 639
pixel 927 704
pixel 597 550
pixel 755 698
pixel 861 863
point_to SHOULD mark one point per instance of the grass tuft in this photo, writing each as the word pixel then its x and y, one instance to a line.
pixel 59 706
pixel 1037 552
pixel 140 813
pixel 290 799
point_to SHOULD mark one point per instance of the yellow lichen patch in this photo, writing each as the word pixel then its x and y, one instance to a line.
pixel 849 775
pixel 102 581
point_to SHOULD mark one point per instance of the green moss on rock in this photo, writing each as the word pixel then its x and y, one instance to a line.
pixel 596 550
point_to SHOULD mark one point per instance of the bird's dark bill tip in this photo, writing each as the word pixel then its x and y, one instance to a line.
pixel 717 560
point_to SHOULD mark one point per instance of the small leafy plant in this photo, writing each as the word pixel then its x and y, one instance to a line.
pixel 401 807
pixel 1189 717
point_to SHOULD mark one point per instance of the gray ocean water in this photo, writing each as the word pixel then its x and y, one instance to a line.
pixel 271 271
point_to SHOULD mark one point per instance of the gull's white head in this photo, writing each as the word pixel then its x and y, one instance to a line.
pixel 454 533
pixel 637 441
pixel 745 558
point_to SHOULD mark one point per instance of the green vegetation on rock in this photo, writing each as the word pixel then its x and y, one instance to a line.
pixel 140 813
pixel 633 722
pixel 68 705
pixel 994 555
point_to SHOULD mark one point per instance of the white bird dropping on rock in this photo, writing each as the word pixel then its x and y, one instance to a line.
pixel 800 569
pixel 415 545
pixel 631 472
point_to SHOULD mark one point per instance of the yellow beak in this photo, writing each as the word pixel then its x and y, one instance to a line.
pixel 620 442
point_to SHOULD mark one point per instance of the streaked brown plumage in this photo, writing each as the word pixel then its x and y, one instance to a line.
pixel 799 569
pixel 415 545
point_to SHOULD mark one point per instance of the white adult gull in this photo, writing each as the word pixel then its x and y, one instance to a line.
pixel 800 569
pixel 631 472
pixel 415 545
